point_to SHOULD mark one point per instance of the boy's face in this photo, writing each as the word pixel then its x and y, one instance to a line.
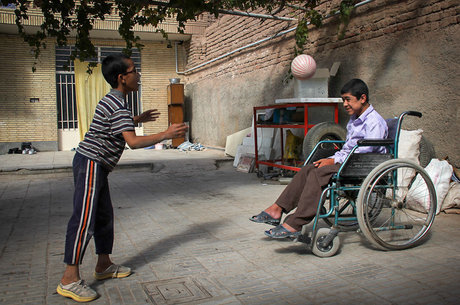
pixel 130 79
pixel 353 105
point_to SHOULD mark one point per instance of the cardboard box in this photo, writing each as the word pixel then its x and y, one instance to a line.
pixel 318 85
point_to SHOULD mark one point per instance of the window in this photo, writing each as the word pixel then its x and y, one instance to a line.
pixel 65 85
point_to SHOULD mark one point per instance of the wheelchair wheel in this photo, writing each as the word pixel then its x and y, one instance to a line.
pixel 389 205
pixel 325 251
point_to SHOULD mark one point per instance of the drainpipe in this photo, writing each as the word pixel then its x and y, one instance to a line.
pixel 232 52
pixel 254 43
pixel 263 16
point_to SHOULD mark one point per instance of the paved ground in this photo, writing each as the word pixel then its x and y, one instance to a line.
pixel 182 225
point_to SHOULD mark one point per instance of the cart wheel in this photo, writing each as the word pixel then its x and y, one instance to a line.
pixel 320 132
pixel 325 251
pixel 388 204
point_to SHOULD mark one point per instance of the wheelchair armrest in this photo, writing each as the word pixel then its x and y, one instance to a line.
pixel 375 142
pixel 314 155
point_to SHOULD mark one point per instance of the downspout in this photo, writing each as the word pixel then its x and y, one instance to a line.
pixel 254 43
pixel 263 16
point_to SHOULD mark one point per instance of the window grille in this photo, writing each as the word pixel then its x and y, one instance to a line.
pixel 65 84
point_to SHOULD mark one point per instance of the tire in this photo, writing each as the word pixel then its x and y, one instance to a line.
pixel 331 250
pixel 384 213
pixel 323 131
pixel 426 152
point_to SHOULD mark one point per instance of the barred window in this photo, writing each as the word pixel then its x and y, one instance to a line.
pixel 65 84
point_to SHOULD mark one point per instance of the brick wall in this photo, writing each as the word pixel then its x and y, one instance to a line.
pixel 381 18
pixel 407 52
pixel 20 120
pixel 229 33
pixel 370 21
pixel 158 66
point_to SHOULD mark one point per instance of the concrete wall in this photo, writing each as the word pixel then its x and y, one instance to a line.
pixel 407 52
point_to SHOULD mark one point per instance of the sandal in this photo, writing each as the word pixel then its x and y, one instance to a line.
pixel 264 217
pixel 281 232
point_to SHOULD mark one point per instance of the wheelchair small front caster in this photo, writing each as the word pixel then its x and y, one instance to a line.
pixel 326 242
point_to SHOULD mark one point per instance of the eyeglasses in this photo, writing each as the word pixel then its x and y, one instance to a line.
pixel 132 71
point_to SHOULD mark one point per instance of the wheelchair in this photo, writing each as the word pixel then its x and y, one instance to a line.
pixel 371 193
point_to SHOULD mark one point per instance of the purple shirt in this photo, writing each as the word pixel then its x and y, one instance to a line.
pixel 369 125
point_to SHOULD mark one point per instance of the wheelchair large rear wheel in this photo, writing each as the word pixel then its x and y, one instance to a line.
pixel 402 190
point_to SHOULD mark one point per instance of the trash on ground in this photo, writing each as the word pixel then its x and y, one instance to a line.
pixel 188 146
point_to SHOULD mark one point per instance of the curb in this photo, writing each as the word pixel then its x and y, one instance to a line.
pixel 168 166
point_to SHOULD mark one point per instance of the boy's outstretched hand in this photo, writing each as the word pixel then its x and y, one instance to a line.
pixel 147 116
pixel 176 131
pixel 173 131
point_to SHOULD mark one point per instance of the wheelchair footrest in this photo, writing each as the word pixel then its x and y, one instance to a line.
pixel 303 239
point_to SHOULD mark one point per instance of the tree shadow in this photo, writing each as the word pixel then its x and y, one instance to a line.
pixel 161 247
pixel 353 63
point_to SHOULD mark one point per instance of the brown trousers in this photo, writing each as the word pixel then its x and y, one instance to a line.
pixel 304 192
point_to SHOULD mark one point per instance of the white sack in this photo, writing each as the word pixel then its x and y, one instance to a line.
pixel 452 199
pixel 408 148
pixel 440 173
pixel 409 144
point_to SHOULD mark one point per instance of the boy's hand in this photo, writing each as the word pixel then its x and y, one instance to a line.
pixel 147 116
pixel 324 162
pixel 176 131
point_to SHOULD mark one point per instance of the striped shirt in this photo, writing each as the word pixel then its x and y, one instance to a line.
pixel 104 142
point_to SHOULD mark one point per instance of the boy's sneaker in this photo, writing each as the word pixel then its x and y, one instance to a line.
pixel 77 291
pixel 113 271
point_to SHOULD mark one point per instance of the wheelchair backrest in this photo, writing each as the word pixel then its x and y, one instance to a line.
pixel 360 165
pixel 392 127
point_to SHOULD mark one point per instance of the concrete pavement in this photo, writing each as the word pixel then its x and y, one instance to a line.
pixel 182 225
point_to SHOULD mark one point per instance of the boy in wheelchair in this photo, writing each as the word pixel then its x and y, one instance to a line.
pixel 304 191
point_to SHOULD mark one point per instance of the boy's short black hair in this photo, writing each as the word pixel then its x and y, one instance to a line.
pixel 112 66
pixel 356 87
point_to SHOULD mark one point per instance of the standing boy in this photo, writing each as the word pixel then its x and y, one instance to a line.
pixel 112 127
pixel 304 191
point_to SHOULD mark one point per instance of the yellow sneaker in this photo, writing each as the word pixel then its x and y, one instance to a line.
pixel 78 291
pixel 113 271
